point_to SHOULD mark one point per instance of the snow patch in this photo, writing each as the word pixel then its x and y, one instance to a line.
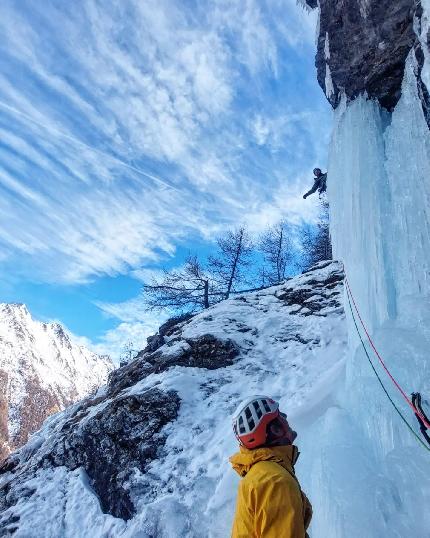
pixel 328 82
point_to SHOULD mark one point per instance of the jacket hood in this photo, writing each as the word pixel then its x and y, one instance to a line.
pixel 243 460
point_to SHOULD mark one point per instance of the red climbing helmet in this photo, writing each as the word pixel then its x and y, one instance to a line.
pixel 251 418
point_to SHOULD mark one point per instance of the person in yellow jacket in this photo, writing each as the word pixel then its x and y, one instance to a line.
pixel 270 502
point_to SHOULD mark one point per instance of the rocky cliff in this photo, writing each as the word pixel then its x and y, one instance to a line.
pixel 363 46
pixel 41 372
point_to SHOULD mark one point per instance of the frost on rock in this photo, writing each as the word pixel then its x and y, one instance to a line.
pixel 148 454
pixel 328 83
pixel 423 31
pixel 369 43
pixel 327 47
pixel 307 4
pixel 329 88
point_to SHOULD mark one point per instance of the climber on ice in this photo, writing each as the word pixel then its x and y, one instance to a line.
pixel 270 502
pixel 320 183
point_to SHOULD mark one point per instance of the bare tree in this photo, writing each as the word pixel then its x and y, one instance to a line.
pixel 277 248
pixel 228 267
pixel 128 352
pixel 316 242
pixel 187 288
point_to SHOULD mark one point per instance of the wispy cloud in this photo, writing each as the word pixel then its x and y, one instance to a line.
pixel 169 91
pixel 135 325
pixel 128 129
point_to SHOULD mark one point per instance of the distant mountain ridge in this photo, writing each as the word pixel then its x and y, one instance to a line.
pixel 41 372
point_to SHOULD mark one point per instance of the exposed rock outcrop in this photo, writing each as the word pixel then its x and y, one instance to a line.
pixel 203 352
pixel 363 46
pixel 114 435
pixel 313 300
pixel 113 442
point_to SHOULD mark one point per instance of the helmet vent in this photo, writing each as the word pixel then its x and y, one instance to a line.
pixel 257 409
pixel 266 407
pixel 251 418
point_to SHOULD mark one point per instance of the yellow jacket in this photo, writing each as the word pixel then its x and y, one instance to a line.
pixel 270 503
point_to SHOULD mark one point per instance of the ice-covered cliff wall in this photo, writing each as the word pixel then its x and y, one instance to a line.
pixel 373 470
pixel 370 475
pixel 380 192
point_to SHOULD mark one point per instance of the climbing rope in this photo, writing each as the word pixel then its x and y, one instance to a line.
pixel 378 377
pixel 399 388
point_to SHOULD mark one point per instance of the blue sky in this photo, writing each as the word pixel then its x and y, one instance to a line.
pixel 132 132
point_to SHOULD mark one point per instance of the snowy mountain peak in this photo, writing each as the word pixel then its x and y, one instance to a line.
pixel 41 371
pixel 14 311
pixel 13 307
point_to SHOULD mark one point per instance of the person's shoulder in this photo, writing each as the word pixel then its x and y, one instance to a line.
pixel 269 478
pixel 265 472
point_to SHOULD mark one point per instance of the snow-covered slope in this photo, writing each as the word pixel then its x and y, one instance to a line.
pixel 147 456
pixel 41 372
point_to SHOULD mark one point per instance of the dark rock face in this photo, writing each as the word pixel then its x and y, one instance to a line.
pixel 110 444
pixel 368 42
pixel 123 436
pixel 170 327
pixel 113 435
pixel 203 352
pixel 318 295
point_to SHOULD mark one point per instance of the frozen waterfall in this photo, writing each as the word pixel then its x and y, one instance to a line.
pixel 370 476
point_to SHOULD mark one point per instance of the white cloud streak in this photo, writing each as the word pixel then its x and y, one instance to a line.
pixel 162 89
